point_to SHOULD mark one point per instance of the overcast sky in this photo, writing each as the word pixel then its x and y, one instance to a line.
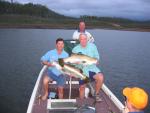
pixel 132 9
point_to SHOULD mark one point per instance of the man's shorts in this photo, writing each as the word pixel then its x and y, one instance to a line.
pixel 91 75
pixel 60 79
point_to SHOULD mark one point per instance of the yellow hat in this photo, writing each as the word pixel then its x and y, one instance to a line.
pixel 136 96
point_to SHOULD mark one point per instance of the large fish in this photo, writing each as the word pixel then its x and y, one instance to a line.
pixel 70 70
pixel 78 59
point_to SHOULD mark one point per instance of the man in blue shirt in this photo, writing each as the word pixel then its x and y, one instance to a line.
pixel 92 71
pixel 53 73
pixel 136 99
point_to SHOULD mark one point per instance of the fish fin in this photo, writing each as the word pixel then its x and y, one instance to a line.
pixel 86 80
pixel 79 53
pixel 61 62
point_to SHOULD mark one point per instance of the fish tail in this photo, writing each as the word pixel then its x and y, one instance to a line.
pixel 61 62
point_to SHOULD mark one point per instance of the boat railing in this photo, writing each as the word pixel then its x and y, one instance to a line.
pixel 35 90
pixel 113 98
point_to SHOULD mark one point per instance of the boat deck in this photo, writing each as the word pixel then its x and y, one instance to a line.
pixel 106 106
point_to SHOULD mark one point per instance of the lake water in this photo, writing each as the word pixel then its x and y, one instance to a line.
pixel 125 61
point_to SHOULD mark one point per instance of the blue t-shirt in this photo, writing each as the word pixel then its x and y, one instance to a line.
pixel 51 56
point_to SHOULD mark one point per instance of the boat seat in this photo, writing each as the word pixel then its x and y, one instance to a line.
pixel 67 82
pixel 61 104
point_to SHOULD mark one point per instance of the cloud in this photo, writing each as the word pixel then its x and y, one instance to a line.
pixel 132 9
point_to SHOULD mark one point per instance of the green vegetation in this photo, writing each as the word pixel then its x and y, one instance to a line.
pixel 32 15
pixel 15 15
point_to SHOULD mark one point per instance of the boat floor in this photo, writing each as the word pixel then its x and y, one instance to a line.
pixel 105 106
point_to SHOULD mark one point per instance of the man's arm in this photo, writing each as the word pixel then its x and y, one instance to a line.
pixel 95 52
pixel 90 37
pixel 45 59
pixel 75 35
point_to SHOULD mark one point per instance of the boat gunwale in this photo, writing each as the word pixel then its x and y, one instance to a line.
pixel 33 96
pixel 113 98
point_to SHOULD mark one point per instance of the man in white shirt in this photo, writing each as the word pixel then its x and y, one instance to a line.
pixel 82 30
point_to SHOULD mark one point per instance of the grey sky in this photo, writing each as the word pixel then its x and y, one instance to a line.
pixel 132 9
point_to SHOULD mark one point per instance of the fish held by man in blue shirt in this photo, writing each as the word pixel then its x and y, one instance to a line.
pixel 70 71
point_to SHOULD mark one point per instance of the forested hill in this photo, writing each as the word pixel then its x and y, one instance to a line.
pixel 15 15
pixel 28 9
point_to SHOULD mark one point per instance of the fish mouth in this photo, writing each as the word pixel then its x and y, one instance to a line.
pixel 61 62
pixel 80 70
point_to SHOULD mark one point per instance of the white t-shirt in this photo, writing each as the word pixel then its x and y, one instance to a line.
pixel 77 33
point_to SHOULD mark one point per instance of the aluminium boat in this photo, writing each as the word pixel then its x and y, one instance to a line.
pixel 71 102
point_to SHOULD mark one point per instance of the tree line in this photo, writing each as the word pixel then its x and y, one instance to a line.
pixel 27 9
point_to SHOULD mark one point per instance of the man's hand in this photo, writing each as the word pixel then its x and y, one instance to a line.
pixel 47 63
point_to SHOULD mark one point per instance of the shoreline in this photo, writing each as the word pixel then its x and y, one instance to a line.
pixel 43 26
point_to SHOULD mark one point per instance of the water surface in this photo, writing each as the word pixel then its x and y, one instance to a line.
pixel 124 61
